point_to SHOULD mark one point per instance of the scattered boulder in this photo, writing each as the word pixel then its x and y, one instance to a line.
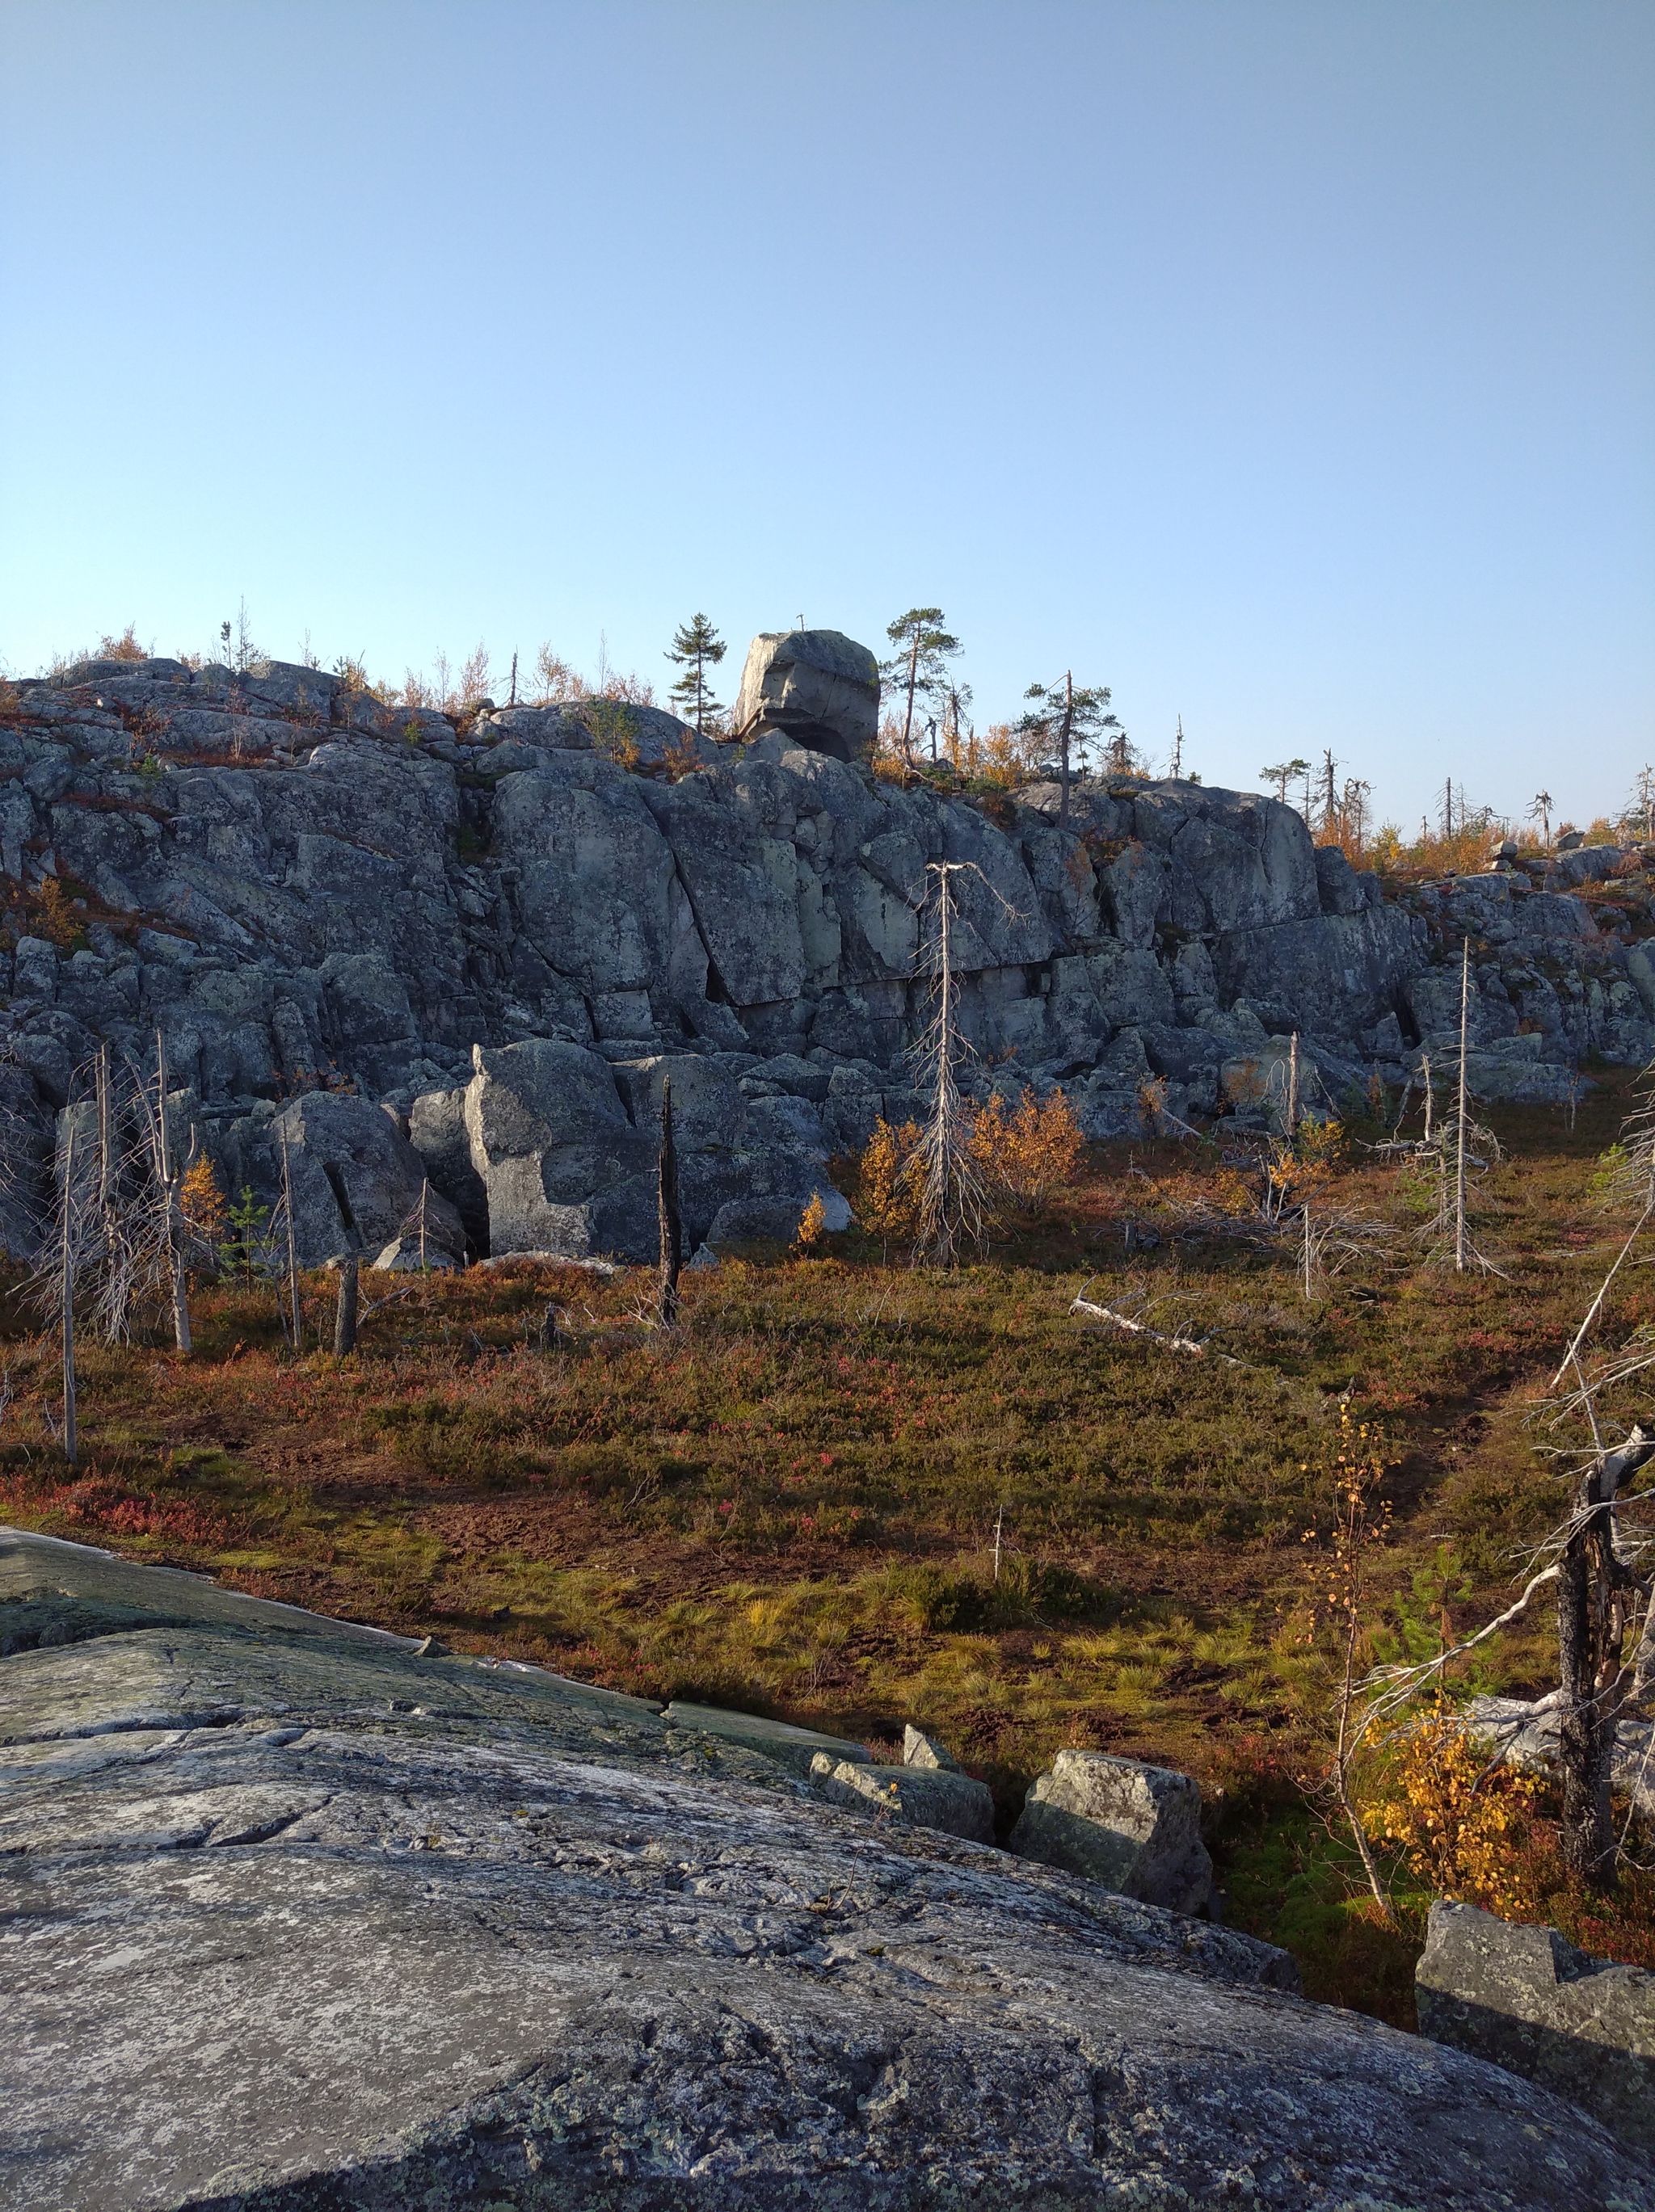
pixel 817 686
pixel 1530 2001
pixel 344 1152
pixel 1526 1736
pixel 919 1749
pixel 925 1798
pixel 404 1255
pixel 1126 1826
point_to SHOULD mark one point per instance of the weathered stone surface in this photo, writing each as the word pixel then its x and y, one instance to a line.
pixel 817 685
pixel 344 1152
pixel 1124 1825
pixel 924 1798
pixel 1523 1998
pixel 794 1749
pixel 919 1749
pixel 297 1919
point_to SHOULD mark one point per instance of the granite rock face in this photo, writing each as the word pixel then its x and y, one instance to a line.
pixel 296 1919
pixel 1523 1998
pixel 307 890
pixel 1129 1826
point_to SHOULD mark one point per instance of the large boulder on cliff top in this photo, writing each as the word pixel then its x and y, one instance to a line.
pixel 819 686
pixel 297 1919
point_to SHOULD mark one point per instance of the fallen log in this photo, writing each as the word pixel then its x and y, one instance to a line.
pixel 1189 1344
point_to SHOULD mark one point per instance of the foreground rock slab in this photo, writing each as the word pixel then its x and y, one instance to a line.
pixel 1529 2001
pixel 296 1920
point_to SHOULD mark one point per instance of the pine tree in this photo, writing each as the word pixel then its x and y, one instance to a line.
pixel 919 666
pixel 1282 774
pixel 697 646
pixel 1073 721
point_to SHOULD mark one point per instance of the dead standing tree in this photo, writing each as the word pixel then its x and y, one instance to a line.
pixel 952 1210
pixel 170 1180
pixel 669 1219
pixel 344 1312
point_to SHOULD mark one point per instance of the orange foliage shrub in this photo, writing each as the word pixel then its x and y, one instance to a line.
pixel 201 1202
pixel 1457 1819
pixel 886 1192
pixel 1029 1153
pixel 812 1232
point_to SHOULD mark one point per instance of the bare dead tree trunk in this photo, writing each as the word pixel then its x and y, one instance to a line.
pixel 1425 1072
pixel 670 1220
pixel 1066 733
pixel 71 1442
pixel 106 1216
pixel 295 1316
pixel 1459 1111
pixel 344 1312
pixel 1292 1090
pixel 181 1288
pixel 950 1200
pixel 1591 1626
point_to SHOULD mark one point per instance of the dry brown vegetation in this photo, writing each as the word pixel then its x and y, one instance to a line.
pixel 789 1501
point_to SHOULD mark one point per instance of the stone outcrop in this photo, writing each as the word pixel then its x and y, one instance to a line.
pixel 298 1917
pixel 1523 1998
pixel 925 1797
pixel 307 890
pixel 816 686
pixel 796 1748
pixel 1127 1825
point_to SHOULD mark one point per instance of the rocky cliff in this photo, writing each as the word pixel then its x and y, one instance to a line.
pixel 509 931
pixel 299 1917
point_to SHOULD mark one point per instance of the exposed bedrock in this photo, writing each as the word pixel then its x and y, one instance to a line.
pixel 303 888
pixel 298 1919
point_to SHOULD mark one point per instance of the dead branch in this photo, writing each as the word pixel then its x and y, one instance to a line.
pixel 1189 1344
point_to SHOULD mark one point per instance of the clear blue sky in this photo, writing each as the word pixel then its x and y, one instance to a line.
pixel 1289 367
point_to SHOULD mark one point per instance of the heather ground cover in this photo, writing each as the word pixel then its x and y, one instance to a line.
pixel 856 1493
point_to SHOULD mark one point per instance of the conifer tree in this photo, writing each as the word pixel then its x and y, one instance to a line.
pixel 696 647
pixel 919 666
pixel 1073 719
